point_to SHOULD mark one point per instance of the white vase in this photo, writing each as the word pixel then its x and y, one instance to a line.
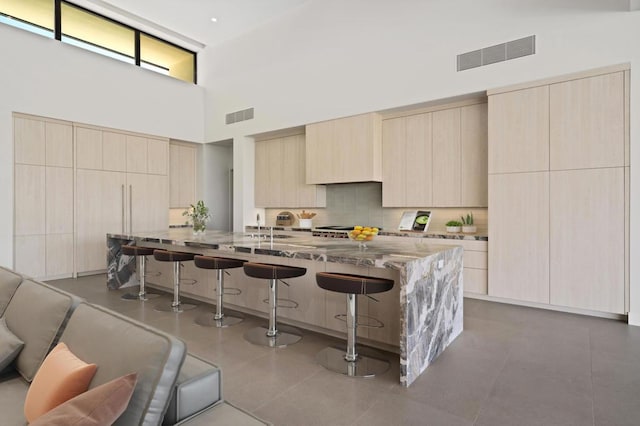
pixel 306 223
pixel 469 229
pixel 453 228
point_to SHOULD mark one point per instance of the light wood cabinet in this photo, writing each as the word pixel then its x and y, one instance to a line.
pixel 519 236
pixel 98 215
pixel 344 150
pixel 136 148
pixel 587 120
pixel 89 148
pixel 573 240
pixel 519 131
pixel 43 197
pixel 157 156
pixel 280 175
pixel 474 142
pixel 182 175
pixel 114 151
pixel 446 164
pixel 436 159
pixel 587 248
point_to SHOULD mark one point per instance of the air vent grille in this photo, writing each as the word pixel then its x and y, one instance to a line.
pixel 498 53
pixel 234 117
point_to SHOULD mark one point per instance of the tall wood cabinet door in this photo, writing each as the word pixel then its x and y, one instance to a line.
pixel 587 239
pixel 59 144
pixel 136 148
pixel 473 131
pixel 174 175
pixel 446 158
pixel 394 167
pixel 308 195
pixel 59 200
pixel 138 212
pixel 29 255
pixel 29 141
pixel 519 236
pixel 419 161
pixel 289 172
pixel 157 156
pixel 587 122
pixel 89 149
pixel 30 200
pixel 114 151
pixel 59 255
pixel 263 195
pixel 519 131
pixel 100 198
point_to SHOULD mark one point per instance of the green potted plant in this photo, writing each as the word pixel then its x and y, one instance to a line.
pixel 467 224
pixel 454 226
pixel 198 214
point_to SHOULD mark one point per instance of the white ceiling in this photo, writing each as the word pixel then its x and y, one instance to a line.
pixel 191 19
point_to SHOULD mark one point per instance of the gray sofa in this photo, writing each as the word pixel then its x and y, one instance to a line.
pixel 172 388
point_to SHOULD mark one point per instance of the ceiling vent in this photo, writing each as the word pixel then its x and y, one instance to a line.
pixel 234 117
pixel 498 53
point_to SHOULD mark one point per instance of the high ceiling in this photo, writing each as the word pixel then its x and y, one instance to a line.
pixel 192 18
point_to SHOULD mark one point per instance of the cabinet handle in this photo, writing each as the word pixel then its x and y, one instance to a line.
pixel 130 209
pixel 122 208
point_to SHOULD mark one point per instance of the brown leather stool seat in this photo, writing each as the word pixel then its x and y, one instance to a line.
pixel 274 336
pixel 220 264
pixel 353 284
pixel 137 251
pixel 347 360
pixel 172 256
pixel 177 257
pixel 210 262
pixel 270 271
pixel 141 253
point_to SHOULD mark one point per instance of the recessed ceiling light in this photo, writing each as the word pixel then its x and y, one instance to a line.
pixel 214 19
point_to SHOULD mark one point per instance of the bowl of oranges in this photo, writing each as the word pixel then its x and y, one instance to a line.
pixel 363 234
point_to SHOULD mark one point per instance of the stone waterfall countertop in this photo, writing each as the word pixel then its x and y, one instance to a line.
pixel 378 254
pixel 430 277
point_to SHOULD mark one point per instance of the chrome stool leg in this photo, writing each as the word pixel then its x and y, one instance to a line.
pixel 176 306
pixel 347 360
pixel 219 319
pixel 274 336
pixel 142 295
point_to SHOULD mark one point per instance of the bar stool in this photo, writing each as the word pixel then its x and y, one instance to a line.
pixel 177 258
pixel 274 336
pixel 141 253
pixel 220 265
pixel 349 362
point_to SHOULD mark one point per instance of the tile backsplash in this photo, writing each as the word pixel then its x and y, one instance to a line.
pixel 361 203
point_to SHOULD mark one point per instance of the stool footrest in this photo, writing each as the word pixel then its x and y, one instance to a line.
pixel 370 322
pixel 232 291
pixel 284 303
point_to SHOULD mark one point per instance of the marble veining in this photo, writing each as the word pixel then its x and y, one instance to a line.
pixel 431 291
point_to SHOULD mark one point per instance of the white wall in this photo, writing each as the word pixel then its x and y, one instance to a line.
pixel 217 162
pixel 332 58
pixel 48 78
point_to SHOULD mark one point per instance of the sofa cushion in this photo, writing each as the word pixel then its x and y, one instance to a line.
pixel 35 315
pixel 10 345
pixel 61 377
pixel 199 386
pixel 9 282
pixel 121 345
pixel 99 406
pixel 13 391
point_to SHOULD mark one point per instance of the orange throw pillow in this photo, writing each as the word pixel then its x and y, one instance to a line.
pixel 61 377
pixel 100 406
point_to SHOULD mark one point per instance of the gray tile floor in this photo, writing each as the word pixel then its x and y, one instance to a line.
pixel 511 366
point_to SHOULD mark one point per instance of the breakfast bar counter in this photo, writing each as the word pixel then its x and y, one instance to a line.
pixel 429 276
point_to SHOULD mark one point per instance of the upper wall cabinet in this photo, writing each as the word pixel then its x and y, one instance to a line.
pixel 280 175
pixel 519 131
pixel 587 122
pixel 344 150
pixel 436 159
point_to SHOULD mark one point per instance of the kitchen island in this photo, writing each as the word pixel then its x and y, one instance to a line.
pixel 428 277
